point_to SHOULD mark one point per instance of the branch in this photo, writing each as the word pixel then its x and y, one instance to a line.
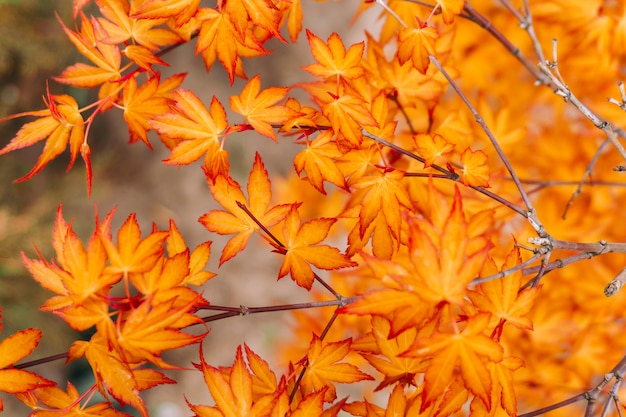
pixel 531 215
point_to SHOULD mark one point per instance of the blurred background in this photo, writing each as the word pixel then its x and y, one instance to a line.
pixel 33 48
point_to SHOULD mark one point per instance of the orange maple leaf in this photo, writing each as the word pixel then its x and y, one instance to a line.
pixel 132 254
pixel 112 373
pixel 235 390
pixel 395 367
pixel 300 252
pixel 382 193
pixel 228 193
pixel 78 277
pixel 448 258
pixel 88 42
pixel 318 160
pixel 503 298
pixel 251 13
pixel 294 19
pixel 144 103
pixel 179 10
pixel 198 130
pixel 196 261
pixel 61 124
pixel 347 114
pixel 257 107
pixel 54 402
pixel 468 349
pixel 450 8
pixel 13 349
pixel 432 147
pixel 332 58
pixel 219 38
pixel 149 329
pixel 121 27
pixel 475 169
pixel 417 44
pixel 323 367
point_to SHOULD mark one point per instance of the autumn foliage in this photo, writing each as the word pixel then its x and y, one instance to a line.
pixel 456 167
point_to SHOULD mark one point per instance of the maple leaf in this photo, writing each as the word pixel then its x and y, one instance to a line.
pixel 144 103
pixel 445 260
pixel 319 162
pixel 228 193
pixel 219 38
pixel 148 330
pixel 294 19
pixel 13 349
pixel 196 262
pixel 323 367
pixel 432 147
pixel 475 169
pixel 396 368
pixel 198 129
pixel 333 59
pixel 250 13
pixel 179 10
pixel 88 42
pixel 234 390
pixel 257 107
pixel 61 124
pixel 503 396
pixel 59 403
pixel 417 44
pixel 347 114
pixel 450 8
pixel 79 279
pixel 300 252
pixel 143 57
pixel 112 373
pixel 120 27
pixel 470 350
pixel 503 298
pixel 382 192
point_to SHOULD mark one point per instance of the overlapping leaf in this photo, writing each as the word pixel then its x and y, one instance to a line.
pixel 228 193
pixel 259 107
pixel 301 251
pixel 323 368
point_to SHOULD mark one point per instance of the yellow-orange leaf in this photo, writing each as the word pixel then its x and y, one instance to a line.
pixel 450 8
pixel 396 368
pixel 300 252
pixel 258 108
pixel 503 298
pixel 432 147
pixel 470 350
pixel 323 368
pixel 132 254
pixel 60 125
pixel 332 58
pixel 416 44
pixel 318 160
pixel 13 349
pixel 347 114
pixel 197 128
pixel 180 10
pixel 219 38
pixel 228 193
pixel 475 169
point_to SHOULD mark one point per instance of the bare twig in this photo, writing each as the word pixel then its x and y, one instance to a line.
pixel 591 396
pixel 531 214
pixel 586 175
pixel 447 174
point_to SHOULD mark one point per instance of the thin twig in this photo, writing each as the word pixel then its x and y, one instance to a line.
pixel 531 215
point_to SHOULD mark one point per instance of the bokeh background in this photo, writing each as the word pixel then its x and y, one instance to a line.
pixel 33 47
